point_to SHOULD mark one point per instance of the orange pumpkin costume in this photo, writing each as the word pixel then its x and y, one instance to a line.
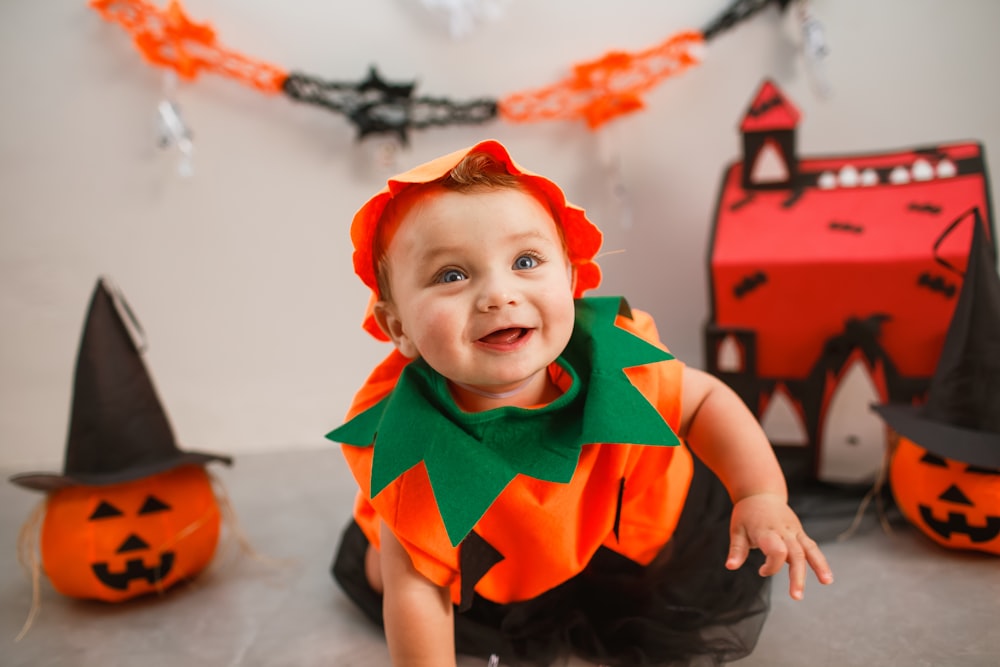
pixel 626 497
pixel 571 528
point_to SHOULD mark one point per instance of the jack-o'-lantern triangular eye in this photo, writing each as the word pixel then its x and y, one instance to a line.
pixel 153 504
pixel 953 494
pixel 105 510
pixel 934 460
pixel 977 470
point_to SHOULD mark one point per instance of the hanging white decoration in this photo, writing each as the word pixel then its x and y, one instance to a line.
pixel 464 15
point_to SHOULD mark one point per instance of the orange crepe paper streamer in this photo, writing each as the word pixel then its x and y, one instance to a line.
pixel 168 38
pixel 606 88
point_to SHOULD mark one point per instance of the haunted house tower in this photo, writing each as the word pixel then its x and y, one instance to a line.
pixel 769 158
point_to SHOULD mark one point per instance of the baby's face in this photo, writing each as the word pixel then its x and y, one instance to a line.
pixel 481 287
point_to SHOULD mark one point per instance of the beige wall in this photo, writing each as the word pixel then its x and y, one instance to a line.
pixel 241 275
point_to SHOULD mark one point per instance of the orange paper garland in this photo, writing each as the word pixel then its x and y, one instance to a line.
pixel 603 89
pixel 168 38
pixel 596 91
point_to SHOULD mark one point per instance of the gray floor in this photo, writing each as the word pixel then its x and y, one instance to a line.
pixel 899 600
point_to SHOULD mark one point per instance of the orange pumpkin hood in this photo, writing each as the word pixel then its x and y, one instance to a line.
pixel 583 239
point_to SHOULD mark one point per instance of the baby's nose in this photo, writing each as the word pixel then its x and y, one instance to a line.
pixel 496 293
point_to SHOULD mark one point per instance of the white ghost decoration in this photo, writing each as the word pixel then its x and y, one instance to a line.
pixel 463 15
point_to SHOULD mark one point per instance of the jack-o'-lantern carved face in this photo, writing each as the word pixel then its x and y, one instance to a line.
pixel 119 541
pixel 956 504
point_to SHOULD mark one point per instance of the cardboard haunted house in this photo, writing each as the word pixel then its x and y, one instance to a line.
pixel 833 281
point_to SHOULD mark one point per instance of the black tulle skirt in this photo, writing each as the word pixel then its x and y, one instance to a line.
pixel 685 608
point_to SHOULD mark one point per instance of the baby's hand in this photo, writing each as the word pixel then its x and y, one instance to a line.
pixel 766 522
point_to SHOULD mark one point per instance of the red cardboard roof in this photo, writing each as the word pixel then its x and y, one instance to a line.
pixel 857 238
pixel 770 110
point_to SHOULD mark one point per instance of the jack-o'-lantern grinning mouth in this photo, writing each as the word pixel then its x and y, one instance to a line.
pixel 959 523
pixel 135 568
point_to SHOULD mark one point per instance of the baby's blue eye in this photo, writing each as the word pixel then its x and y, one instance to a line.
pixel 525 262
pixel 451 276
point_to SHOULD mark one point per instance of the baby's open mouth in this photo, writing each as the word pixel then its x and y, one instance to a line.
pixel 504 336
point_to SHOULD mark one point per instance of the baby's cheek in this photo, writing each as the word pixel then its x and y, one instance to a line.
pixel 436 330
pixel 563 314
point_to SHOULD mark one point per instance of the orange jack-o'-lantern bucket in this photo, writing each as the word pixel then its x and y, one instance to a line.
pixel 945 470
pixel 131 513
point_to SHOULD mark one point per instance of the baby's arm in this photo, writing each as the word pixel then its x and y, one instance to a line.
pixel 726 436
pixel 419 626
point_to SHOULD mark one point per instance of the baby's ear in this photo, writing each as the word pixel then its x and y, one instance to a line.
pixel 390 324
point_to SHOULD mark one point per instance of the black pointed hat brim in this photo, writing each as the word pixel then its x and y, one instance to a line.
pixel 46 481
pixel 978 448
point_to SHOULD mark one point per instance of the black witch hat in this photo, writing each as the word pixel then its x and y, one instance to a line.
pixel 961 418
pixel 118 430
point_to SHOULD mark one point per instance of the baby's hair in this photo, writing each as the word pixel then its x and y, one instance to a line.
pixel 476 172
pixel 479 171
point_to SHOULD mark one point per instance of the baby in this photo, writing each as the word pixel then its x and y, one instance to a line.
pixel 524 456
